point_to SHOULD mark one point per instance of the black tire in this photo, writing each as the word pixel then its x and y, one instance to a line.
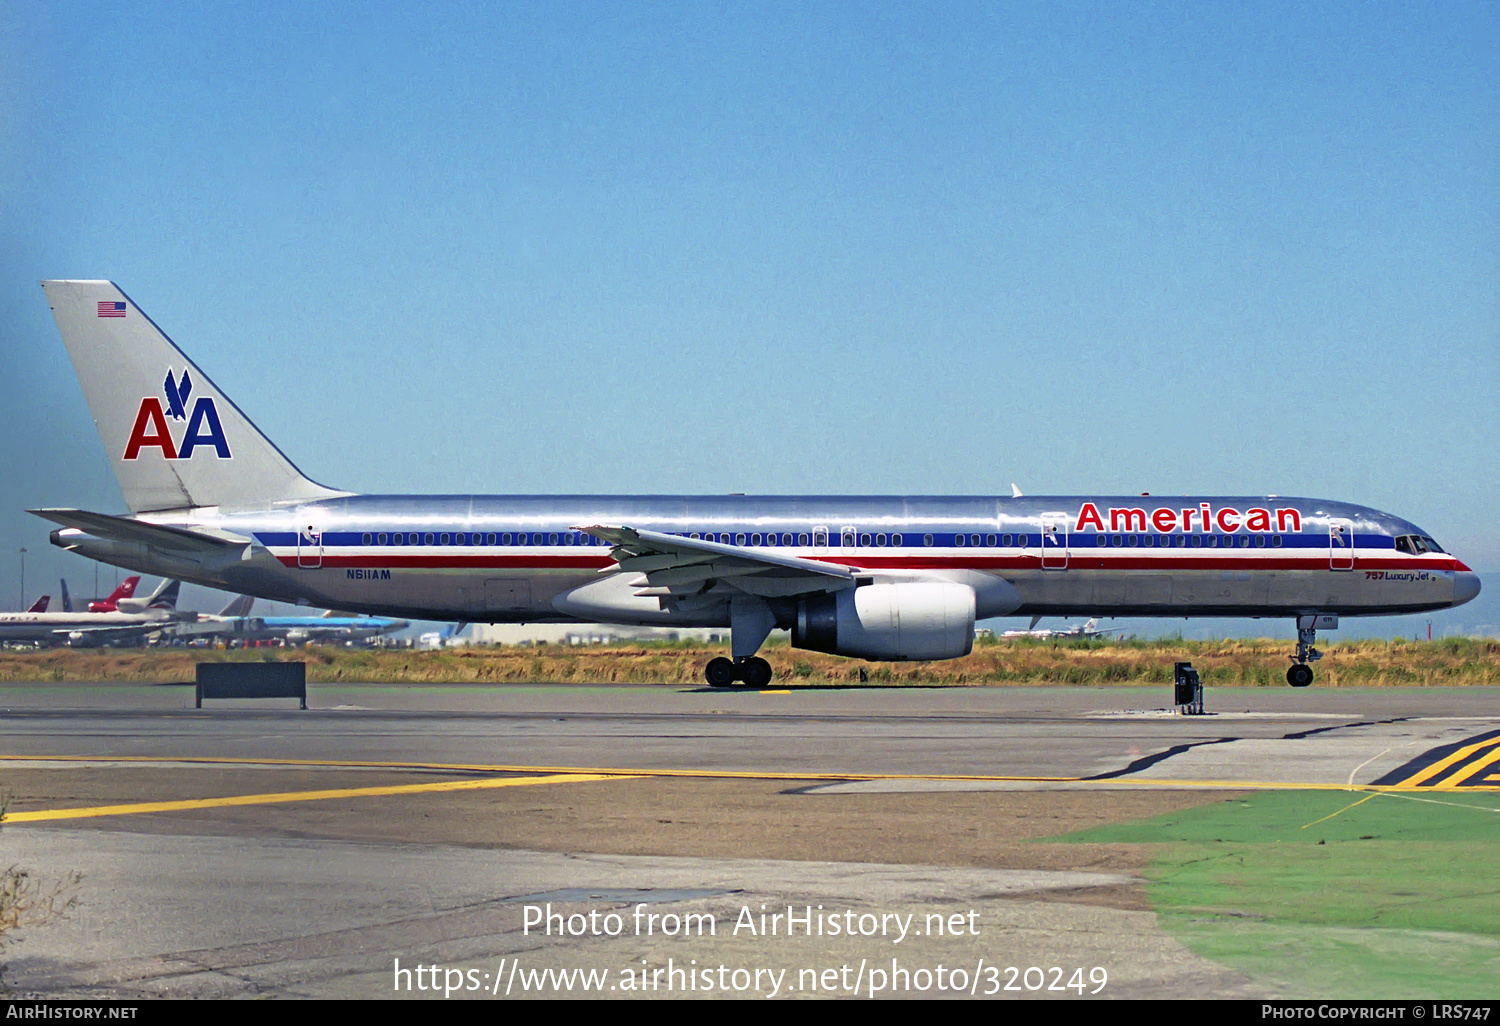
pixel 756 672
pixel 1300 675
pixel 720 672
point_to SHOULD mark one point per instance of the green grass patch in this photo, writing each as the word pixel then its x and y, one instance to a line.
pixel 1333 894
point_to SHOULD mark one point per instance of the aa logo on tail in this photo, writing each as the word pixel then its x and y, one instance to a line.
pixel 203 427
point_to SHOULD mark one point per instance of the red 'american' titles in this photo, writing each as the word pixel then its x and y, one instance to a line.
pixel 1226 518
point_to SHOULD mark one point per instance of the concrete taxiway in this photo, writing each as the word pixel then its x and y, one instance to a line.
pixel 253 848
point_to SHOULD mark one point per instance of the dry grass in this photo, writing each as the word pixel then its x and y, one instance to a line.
pixel 24 901
pixel 1260 663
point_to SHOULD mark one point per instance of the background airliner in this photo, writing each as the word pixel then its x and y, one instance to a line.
pixel 124 592
pixel 146 616
pixel 213 501
pixel 1089 629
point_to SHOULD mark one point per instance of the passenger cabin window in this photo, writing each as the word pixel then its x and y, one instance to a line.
pixel 926 539
pixel 820 538
pixel 898 539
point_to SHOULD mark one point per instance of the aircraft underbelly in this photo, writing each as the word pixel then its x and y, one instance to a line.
pixel 475 596
pixel 1242 592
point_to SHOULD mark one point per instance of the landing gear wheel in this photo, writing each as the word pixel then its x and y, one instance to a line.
pixel 1299 676
pixel 720 672
pixel 755 672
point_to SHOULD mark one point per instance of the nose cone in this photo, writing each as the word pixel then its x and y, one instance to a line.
pixel 1465 587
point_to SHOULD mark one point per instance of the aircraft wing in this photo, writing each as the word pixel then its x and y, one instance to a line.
pixel 674 565
pixel 198 540
pixel 101 635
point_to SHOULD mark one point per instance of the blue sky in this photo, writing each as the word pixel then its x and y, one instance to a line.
pixel 810 248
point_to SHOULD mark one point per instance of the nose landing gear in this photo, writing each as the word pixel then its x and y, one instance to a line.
pixel 1300 674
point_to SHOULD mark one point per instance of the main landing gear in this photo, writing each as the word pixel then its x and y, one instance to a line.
pixel 1300 674
pixel 750 622
pixel 753 672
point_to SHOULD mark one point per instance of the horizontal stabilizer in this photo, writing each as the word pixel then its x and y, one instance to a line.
pixel 125 529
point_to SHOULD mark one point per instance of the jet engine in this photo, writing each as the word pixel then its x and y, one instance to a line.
pixel 890 622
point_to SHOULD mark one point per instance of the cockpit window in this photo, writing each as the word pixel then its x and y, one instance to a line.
pixel 1416 544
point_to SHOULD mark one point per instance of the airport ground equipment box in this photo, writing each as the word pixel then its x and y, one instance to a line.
pixel 252 680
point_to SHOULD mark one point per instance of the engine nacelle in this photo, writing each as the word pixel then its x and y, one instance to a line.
pixel 889 622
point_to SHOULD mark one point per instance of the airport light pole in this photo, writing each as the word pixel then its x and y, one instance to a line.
pixel 22 606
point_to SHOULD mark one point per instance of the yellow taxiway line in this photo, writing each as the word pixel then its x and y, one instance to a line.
pixel 465 767
pixel 277 798
pixel 582 774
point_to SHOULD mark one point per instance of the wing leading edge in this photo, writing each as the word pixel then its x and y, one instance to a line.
pixel 676 566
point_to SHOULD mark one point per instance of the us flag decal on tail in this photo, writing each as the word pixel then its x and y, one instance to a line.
pixel 111 309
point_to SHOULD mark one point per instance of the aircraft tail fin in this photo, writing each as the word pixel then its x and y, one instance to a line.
pixel 125 590
pixel 165 597
pixel 173 438
pixel 239 607
pixel 67 600
pixel 40 605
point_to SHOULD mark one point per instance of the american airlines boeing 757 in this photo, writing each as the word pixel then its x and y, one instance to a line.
pixel 211 500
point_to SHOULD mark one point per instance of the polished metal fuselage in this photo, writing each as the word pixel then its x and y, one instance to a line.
pixel 516 558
